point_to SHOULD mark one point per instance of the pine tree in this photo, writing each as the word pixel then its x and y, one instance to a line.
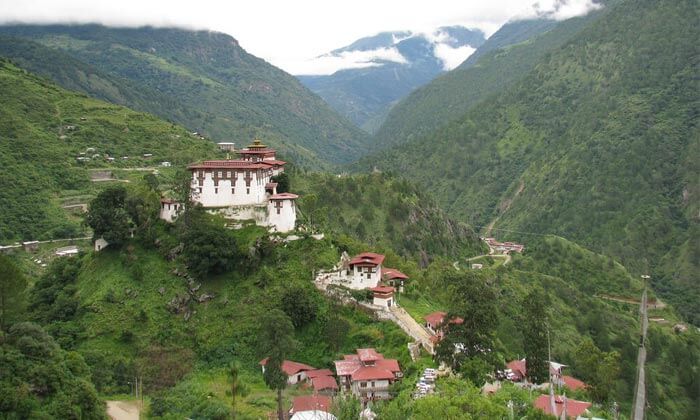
pixel 535 321
pixel 276 341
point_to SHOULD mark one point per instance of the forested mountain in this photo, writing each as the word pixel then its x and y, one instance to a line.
pixel 44 129
pixel 402 61
pixel 506 57
pixel 599 143
pixel 202 80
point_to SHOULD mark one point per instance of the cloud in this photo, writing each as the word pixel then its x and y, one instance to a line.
pixel 558 9
pixel 452 57
pixel 330 63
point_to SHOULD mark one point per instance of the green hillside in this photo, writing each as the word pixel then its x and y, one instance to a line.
pixel 508 56
pixel 383 211
pixel 44 129
pixel 599 144
pixel 204 81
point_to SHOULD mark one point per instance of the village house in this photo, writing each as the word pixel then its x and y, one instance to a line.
pixel 503 247
pixel 366 270
pixel 394 277
pixel 383 296
pixel 296 372
pixel 100 244
pixel 226 146
pixel 516 371
pixel 367 374
pixel 169 209
pixel 311 407
pixel 66 251
pixel 434 323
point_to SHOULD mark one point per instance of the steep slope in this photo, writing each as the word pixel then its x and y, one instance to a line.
pixel 44 128
pixel 506 57
pixel 395 63
pixel 602 134
pixel 217 88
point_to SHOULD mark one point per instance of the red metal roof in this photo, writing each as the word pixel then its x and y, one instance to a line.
pixel 573 408
pixel 435 318
pixel 273 162
pixel 291 368
pixel 369 355
pixel 346 367
pixel 367 258
pixel 284 196
pixel 311 402
pixel 223 164
pixel 324 382
pixel 384 290
pixel 518 367
pixel 318 372
pixel 572 383
pixel 368 373
pixel 391 365
pixel 392 273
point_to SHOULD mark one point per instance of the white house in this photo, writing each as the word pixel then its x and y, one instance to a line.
pixel 383 296
pixel 226 146
pixel 100 244
pixel 367 374
pixel 296 372
pixel 281 211
pixel 169 209
pixel 366 270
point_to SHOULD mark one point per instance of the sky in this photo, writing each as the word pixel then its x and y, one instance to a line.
pixel 291 34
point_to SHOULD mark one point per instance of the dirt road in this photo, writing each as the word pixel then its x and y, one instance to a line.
pixel 122 410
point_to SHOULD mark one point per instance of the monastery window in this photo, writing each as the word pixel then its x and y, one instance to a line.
pixel 228 174
pixel 200 189
pixel 363 384
pixel 374 269
pixel 233 190
pixel 247 190
pixel 219 174
pixel 372 384
pixel 216 190
pixel 278 210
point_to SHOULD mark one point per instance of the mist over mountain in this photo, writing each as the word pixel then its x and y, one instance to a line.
pixel 372 73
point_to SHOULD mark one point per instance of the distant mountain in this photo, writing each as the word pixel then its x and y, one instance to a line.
pixel 202 80
pixel 506 57
pixel 598 143
pixel 391 65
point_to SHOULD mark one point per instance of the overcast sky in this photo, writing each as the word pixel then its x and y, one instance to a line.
pixel 289 33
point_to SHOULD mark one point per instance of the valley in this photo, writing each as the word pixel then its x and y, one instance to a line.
pixel 187 231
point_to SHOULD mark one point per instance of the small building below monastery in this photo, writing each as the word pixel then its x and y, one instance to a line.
pixel 367 374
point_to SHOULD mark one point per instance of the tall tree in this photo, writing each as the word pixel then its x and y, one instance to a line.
pixel 535 321
pixel 12 297
pixel 107 215
pixel 469 344
pixel 597 368
pixel 276 342
pixel 208 248
pixel 236 386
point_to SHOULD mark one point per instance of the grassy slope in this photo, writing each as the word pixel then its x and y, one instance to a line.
pixel 215 86
pixel 601 136
pixel 42 165
pixel 386 212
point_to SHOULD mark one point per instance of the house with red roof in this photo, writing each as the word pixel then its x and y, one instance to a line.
pixel 365 270
pixel 394 277
pixel 556 405
pixel 296 372
pixel 367 374
pixel 435 323
pixel 383 296
pixel 311 407
pixel 516 371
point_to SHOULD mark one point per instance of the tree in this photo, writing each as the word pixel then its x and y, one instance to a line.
pixel 208 248
pixel 107 216
pixel 12 287
pixel 299 305
pixel 142 205
pixel 236 385
pixel 276 342
pixel 283 184
pixel 535 321
pixel 474 302
pixel 597 368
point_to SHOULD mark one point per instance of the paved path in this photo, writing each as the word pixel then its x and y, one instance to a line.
pixel 122 410
pixel 640 392
pixel 658 304
pixel 406 322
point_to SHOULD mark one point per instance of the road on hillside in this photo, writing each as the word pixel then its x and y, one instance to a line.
pixel 122 410
pixel 640 393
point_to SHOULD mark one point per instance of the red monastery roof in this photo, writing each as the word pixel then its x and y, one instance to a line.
pixel 289 367
pixel 273 162
pixel 392 273
pixel 310 403
pixel 383 290
pixel 573 408
pixel 437 318
pixel 228 164
pixel 324 382
pixel 367 258
pixel 284 196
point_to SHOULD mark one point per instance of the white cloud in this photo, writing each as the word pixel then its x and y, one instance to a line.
pixel 452 57
pixel 330 63
pixel 289 32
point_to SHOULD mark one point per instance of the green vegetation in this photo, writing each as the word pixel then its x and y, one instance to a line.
pixel 202 80
pixel 45 129
pixel 598 144
pixel 385 212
